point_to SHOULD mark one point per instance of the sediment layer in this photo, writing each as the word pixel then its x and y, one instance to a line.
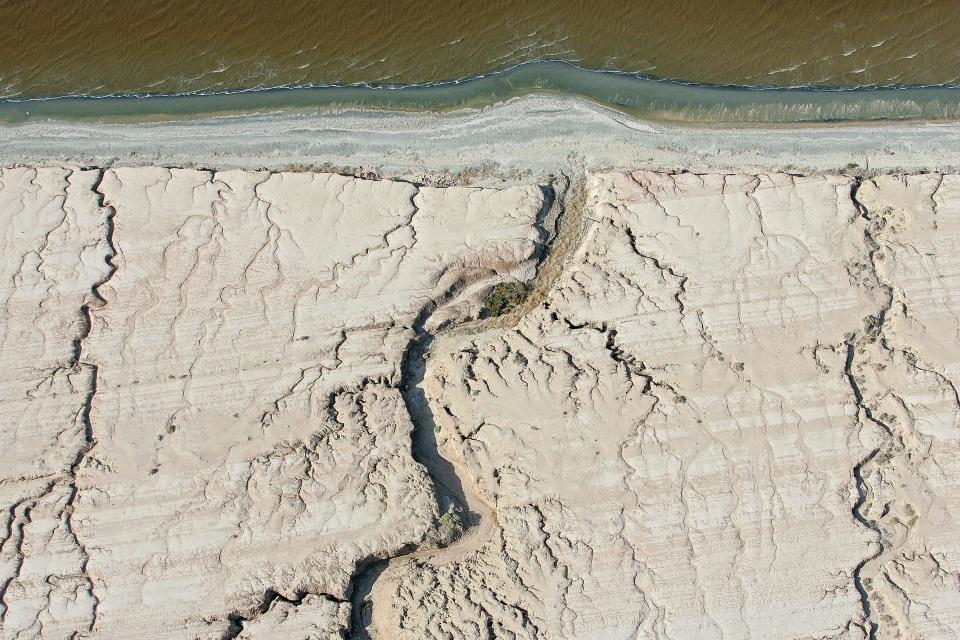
pixel 260 404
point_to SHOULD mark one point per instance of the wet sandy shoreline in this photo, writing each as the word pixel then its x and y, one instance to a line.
pixel 640 96
pixel 531 135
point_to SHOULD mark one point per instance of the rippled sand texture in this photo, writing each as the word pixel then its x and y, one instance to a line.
pixel 177 46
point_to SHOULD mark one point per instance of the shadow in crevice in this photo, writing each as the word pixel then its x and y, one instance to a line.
pixel 448 488
pixel 365 576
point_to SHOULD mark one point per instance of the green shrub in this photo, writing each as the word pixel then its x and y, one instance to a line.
pixel 504 296
pixel 451 527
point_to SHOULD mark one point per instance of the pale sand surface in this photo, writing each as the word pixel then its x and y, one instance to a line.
pixel 733 416
pixel 728 408
pixel 538 134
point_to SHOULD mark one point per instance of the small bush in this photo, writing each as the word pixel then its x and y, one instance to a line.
pixel 451 527
pixel 504 296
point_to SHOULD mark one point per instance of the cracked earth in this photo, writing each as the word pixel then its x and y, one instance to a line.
pixel 247 404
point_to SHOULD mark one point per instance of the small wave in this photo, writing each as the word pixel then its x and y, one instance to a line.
pixel 774 72
pixel 505 73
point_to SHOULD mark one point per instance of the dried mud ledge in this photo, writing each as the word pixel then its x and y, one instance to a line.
pixel 558 243
pixel 555 225
pixel 561 227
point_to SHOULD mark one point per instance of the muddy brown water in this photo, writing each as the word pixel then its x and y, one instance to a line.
pixel 66 47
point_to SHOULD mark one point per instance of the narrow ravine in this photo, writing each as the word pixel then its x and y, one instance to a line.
pixel 881 470
pixel 269 598
pixel 866 466
pixel 448 487
pixel 21 511
pixel 559 233
pixel 96 300
pixel 864 498
pixel 452 493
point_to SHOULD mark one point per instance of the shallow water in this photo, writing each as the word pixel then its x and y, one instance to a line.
pixel 644 98
pixel 65 47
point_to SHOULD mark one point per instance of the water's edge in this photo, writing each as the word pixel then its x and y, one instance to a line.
pixel 637 95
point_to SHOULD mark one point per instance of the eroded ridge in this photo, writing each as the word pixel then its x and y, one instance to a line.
pixel 55 255
pixel 905 364
pixel 686 438
pixel 229 380
pixel 237 404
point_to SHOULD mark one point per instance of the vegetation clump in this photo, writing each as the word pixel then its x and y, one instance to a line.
pixel 450 526
pixel 503 297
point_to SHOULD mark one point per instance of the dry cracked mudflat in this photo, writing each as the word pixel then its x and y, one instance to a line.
pixel 267 405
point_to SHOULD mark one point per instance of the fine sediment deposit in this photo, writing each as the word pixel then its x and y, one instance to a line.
pixel 203 412
pixel 252 404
